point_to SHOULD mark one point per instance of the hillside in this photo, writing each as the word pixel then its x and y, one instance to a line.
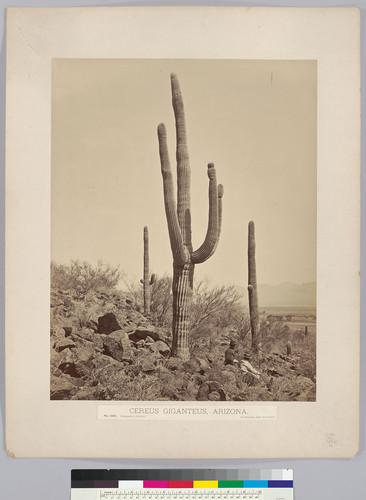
pixel 103 348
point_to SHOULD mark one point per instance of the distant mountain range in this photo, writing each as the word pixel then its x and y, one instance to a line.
pixel 285 294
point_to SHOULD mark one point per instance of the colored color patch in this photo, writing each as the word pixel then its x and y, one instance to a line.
pixel 105 484
pixel 280 484
pixel 205 484
pixel 180 484
pixel 255 484
pixel 156 484
pixel 230 484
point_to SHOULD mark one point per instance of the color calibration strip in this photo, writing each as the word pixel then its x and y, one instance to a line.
pixel 173 484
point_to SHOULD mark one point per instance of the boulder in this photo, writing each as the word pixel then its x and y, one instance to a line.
pixel 129 326
pixel 174 364
pixel 147 366
pixel 108 324
pixel 68 330
pixel 307 388
pixel 62 358
pixel 211 389
pixel 113 348
pixel 87 393
pixel 79 362
pixel 250 379
pixel 228 377
pixel 125 343
pixel 119 335
pixel 160 347
pixel 128 353
pixel 143 333
pixel 204 364
pixel 56 300
pixel 163 348
pixel 214 396
pixel 86 334
pixel 57 332
pixel 140 343
pixel 62 388
pixel 84 350
pixel 65 343
pixel 217 387
pixel 99 364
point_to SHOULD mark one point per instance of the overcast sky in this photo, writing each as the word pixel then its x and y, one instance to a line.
pixel 255 120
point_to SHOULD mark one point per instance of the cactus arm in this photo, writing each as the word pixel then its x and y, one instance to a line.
pixel 208 247
pixel 183 167
pixel 175 235
pixel 220 193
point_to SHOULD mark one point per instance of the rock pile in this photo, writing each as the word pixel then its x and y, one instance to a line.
pixel 103 348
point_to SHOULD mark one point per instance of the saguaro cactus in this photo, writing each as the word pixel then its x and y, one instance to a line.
pixel 253 293
pixel 179 222
pixel 289 348
pixel 146 281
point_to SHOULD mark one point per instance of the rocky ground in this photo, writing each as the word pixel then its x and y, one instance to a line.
pixel 103 348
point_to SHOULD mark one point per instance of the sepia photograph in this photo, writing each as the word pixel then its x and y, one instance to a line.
pixel 183 230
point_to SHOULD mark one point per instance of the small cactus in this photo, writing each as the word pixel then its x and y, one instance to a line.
pixel 253 293
pixel 289 348
pixel 179 222
pixel 145 280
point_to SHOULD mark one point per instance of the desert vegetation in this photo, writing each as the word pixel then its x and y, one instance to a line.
pixel 103 346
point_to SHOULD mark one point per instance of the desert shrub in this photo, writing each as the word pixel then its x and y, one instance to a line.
pixel 275 335
pixel 305 349
pixel 82 277
pixel 216 313
pixel 85 313
pixel 214 306
pixel 161 301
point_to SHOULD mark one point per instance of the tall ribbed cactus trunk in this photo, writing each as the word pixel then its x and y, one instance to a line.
pixel 146 280
pixel 179 223
pixel 182 298
pixel 253 293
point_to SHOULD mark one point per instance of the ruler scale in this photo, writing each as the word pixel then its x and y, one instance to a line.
pixel 179 495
